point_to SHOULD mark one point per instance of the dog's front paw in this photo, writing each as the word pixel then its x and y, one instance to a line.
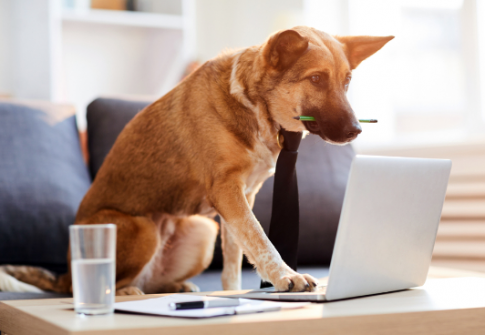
pixel 129 290
pixel 295 282
pixel 187 286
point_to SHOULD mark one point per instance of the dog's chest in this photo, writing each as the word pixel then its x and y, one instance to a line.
pixel 263 168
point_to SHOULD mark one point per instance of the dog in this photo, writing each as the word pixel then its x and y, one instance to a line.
pixel 205 148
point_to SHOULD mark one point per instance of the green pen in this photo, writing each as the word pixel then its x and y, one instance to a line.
pixel 311 118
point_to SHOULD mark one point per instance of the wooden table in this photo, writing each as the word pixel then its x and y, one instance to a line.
pixel 442 306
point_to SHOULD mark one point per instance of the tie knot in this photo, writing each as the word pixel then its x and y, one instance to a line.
pixel 291 140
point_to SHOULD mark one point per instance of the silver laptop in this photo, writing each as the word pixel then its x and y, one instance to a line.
pixel 387 229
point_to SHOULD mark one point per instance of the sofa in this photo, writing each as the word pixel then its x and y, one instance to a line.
pixel 45 170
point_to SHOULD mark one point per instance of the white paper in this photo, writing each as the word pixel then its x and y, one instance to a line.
pixel 160 306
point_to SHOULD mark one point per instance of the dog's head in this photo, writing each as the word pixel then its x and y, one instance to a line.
pixel 308 72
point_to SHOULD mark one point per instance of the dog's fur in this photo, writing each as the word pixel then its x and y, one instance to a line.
pixel 206 147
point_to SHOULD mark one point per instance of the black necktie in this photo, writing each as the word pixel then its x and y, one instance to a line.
pixel 285 215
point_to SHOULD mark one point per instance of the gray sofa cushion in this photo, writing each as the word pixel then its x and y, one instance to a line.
pixel 106 119
pixel 322 176
pixel 43 178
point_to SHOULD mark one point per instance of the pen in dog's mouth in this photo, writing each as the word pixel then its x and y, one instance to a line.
pixel 311 118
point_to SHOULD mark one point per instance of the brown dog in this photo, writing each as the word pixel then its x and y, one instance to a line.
pixel 206 147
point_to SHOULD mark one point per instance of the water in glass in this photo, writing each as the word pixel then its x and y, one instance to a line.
pixel 93 283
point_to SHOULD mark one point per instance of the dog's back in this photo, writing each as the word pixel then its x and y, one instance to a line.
pixel 164 159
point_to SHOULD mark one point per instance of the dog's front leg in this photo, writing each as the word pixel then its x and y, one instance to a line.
pixel 232 259
pixel 232 255
pixel 228 198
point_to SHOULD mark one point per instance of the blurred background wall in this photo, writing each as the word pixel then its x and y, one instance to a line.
pixel 5 54
pixel 424 87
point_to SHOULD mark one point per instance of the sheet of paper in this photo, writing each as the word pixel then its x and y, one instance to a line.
pixel 160 306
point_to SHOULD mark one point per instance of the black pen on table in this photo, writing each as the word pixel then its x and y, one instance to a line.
pixel 204 304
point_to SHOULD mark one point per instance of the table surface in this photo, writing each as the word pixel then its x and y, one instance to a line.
pixel 441 306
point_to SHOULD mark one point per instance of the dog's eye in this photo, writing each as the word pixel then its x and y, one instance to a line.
pixel 320 80
pixel 347 81
pixel 315 79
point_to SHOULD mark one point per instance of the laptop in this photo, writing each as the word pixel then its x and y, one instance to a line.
pixel 387 229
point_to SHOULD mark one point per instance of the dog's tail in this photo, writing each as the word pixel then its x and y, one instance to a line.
pixel 30 279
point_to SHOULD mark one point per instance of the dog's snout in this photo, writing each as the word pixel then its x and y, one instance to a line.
pixel 354 131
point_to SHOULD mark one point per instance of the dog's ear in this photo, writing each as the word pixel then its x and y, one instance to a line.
pixel 283 49
pixel 359 48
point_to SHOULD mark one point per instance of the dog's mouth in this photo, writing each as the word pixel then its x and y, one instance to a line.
pixel 312 127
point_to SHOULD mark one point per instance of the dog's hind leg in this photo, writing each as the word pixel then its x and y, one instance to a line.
pixel 137 239
pixel 186 253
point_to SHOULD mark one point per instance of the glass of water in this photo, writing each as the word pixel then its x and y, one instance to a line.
pixel 93 255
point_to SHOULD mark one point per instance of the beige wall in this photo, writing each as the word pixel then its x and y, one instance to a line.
pixel 5 55
pixel 224 24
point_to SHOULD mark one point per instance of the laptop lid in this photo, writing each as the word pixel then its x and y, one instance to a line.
pixel 388 225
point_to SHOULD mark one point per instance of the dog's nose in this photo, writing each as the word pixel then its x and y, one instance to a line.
pixel 353 131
